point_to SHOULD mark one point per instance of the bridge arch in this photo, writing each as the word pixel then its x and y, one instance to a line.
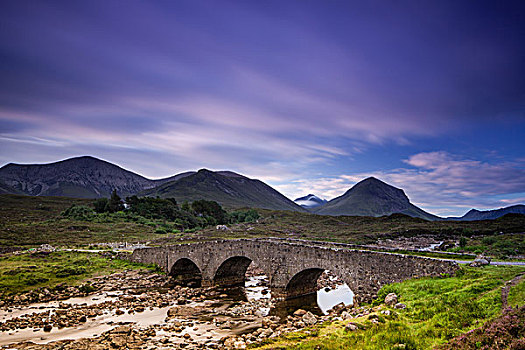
pixel 186 272
pixel 303 282
pixel 232 271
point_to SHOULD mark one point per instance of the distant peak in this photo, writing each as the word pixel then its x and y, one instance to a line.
pixel 372 179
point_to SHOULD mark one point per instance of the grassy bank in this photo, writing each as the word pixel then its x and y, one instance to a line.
pixel 438 309
pixel 24 272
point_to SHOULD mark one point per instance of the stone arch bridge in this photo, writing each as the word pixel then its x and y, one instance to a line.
pixel 292 267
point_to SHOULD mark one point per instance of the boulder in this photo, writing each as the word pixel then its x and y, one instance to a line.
pixel 480 260
pixel 345 315
pixel 400 306
pixel 299 312
pixel 309 319
pixel 391 299
pixel 350 327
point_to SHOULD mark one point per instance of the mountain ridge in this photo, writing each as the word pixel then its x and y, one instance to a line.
pixel 225 187
pixel 80 177
pixel 90 177
pixel 474 214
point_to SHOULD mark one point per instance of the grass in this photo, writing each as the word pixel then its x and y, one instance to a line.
pixel 517 294
pixel 438 309
pixel 24 272
pixel 31 221
pixel 500 245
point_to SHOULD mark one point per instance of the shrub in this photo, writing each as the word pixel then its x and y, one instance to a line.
pixel 70 271
pixel 79 212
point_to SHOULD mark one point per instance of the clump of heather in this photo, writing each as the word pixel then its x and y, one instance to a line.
pixel 504 332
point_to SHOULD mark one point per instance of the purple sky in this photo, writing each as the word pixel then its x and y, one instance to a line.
pixel 309 96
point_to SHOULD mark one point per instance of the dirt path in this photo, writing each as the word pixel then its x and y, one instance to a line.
pixel 505 290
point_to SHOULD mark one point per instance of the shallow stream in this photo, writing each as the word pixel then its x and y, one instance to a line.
pixel 255 289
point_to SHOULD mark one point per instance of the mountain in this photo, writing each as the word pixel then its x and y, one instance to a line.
pixel 230 189
pixel 474 214
pixel 80 177
pixel 372 197
pixel 310 201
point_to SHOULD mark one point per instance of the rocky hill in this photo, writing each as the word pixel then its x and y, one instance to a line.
pixel 372 197
pixel 80 177
pixel 227 188
pixel 474 214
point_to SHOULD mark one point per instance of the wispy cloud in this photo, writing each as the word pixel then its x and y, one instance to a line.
pixel 291 93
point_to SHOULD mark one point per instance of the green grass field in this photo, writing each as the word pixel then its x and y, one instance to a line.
pixel 438 309
pixel 24 272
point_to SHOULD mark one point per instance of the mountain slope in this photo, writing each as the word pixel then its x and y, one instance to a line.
pixel 227 188
pixel 474 214
pixel 372 197
pixel 80 177
pixel 310 201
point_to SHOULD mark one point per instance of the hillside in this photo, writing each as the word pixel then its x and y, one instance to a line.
pixel 229 189
pixel 474 214
pixel 81 177
pixel 372 197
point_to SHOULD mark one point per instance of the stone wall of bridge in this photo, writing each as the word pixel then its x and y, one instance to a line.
pixel 292 268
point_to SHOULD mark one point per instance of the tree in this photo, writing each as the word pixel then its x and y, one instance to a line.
pixel 185 206
pixel 115 203
pixel 210 209
pixel 101 205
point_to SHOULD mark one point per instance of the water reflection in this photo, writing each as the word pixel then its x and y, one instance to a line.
pixel 340 294
pixel 318 303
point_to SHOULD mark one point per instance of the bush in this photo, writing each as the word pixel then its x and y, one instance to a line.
pixel 250 215
pixel 70 271
pixel 34 280
pixel 79 212
pixel 86 288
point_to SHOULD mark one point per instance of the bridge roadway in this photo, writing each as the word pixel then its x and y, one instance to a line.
pixel 292 267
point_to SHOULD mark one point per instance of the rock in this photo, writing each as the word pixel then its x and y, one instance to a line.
pixel 351 327
pixel 228 341
pixel 400 306
pixel 480 260
pixel 121 330
pixel 391 299
pixel 337 308
pixel 345 315
pixel 82 319
pixel 139 308
pixel 309 319
pixel 386 312
pixel 239 344
pixel 299 312
pixel 48 327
